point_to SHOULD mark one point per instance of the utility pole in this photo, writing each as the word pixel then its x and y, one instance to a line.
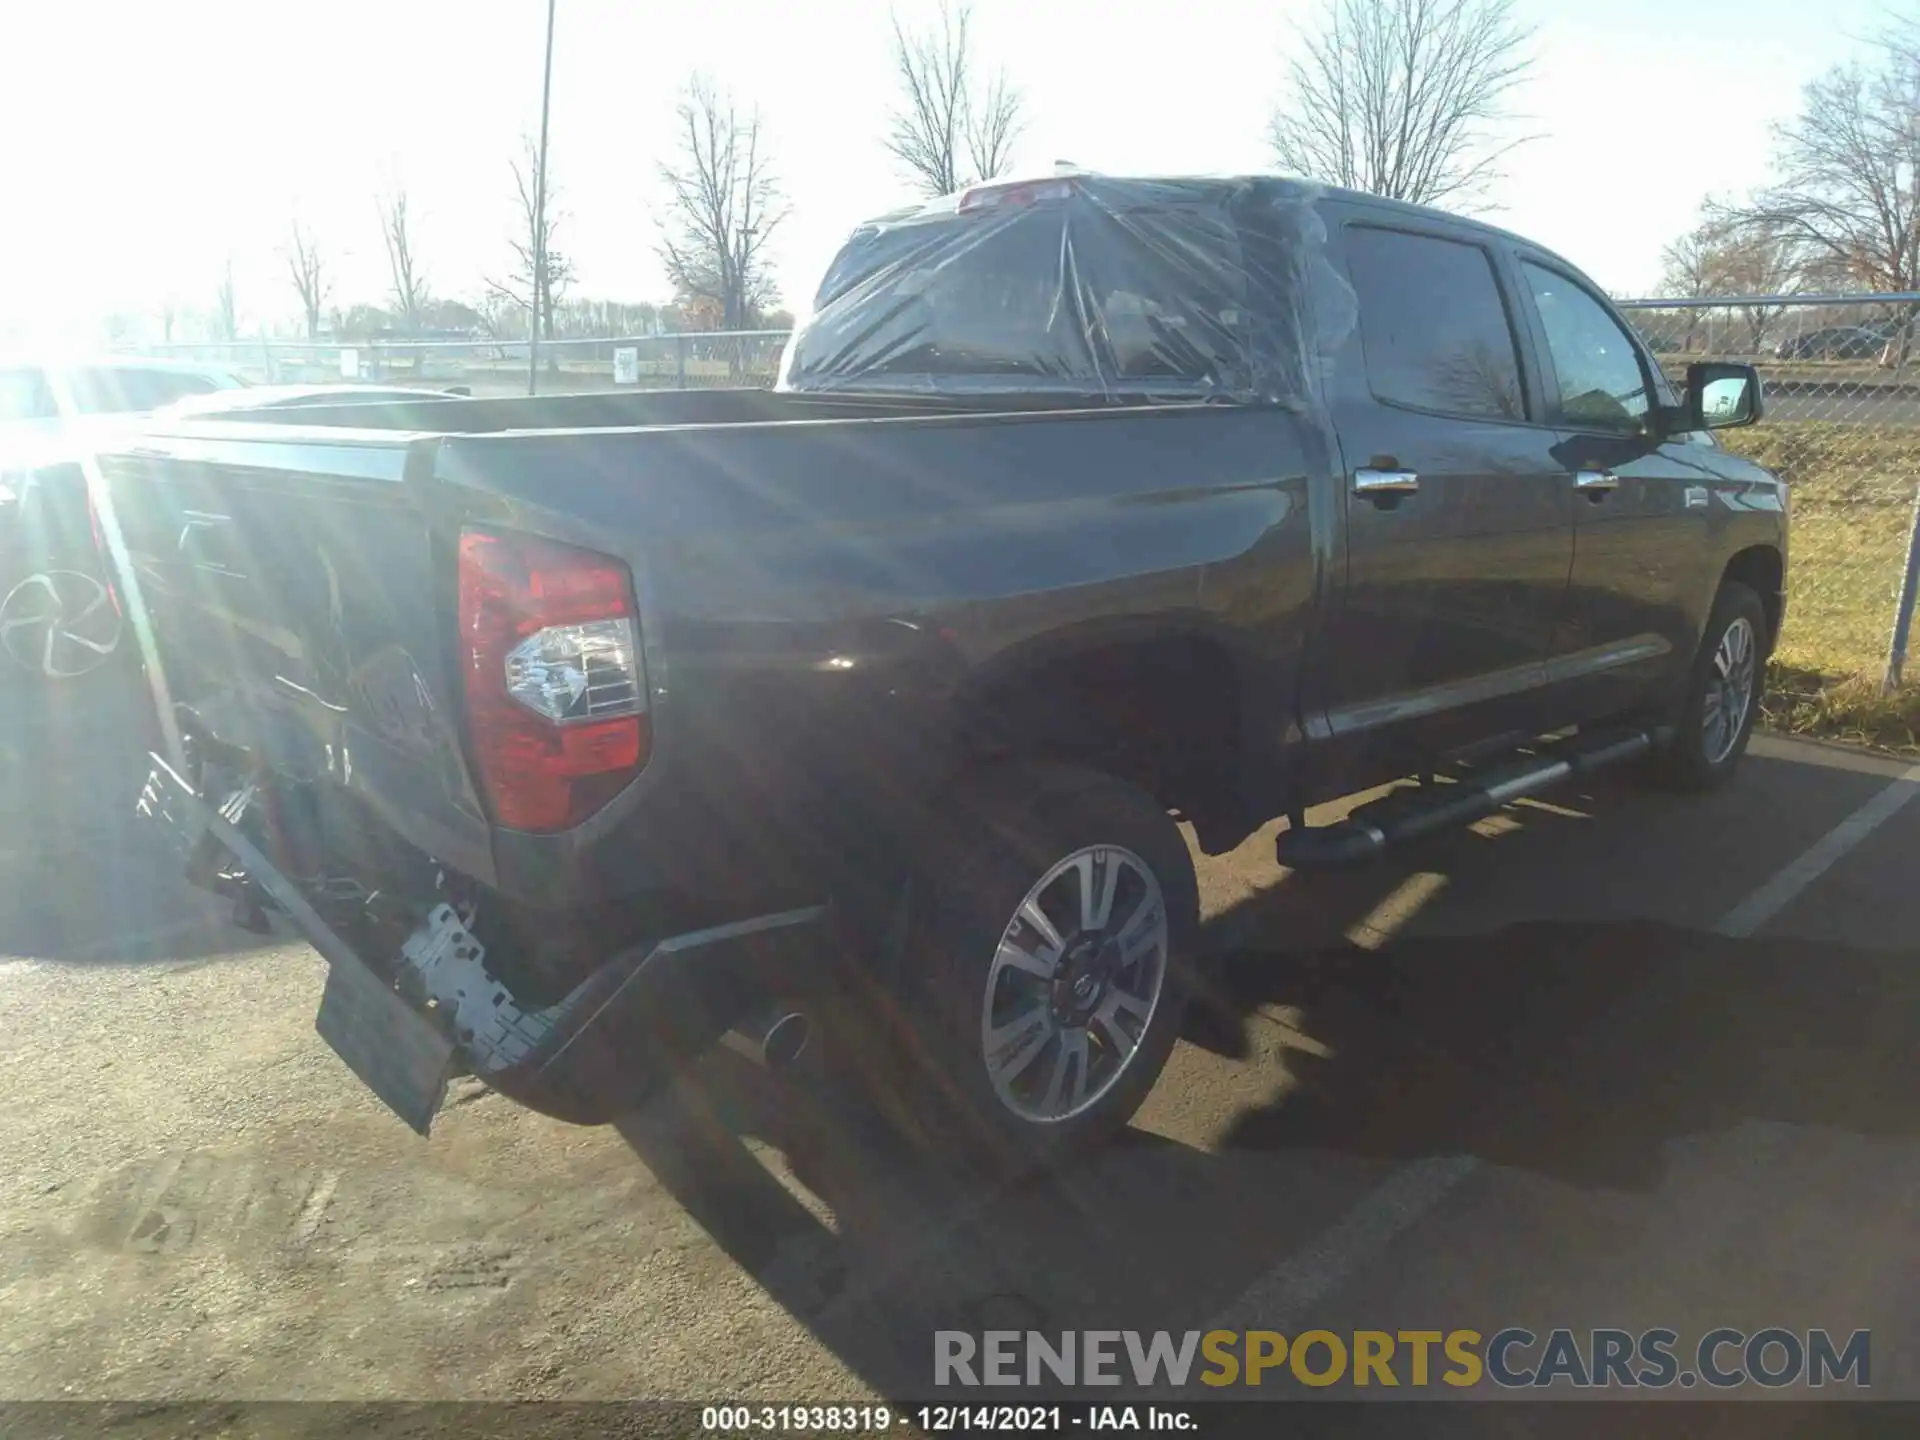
pixel 539 278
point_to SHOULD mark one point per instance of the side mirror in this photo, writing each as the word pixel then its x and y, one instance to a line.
pixel 1721 396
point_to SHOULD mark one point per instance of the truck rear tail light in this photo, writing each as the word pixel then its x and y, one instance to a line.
pixel 1006 196
pixel 556 689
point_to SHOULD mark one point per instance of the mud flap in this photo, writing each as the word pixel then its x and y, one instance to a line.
pixel 397 1054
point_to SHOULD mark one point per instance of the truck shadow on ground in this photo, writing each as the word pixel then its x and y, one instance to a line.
pixel 85 884
pixel 82 880
pixel 1575 1052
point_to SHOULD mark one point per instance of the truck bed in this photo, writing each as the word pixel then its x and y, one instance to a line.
pixel 639 409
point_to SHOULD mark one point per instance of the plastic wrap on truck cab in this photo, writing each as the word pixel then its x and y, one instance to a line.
pixel 1198 289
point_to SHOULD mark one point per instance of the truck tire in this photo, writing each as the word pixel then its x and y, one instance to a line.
pixel 1722 700
pixel 1058 936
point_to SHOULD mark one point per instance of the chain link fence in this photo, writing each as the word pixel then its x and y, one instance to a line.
pixel 1842 427
pixel 721 358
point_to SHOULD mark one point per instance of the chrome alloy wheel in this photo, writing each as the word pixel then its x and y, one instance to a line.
pixel 1729 690
pixel 1074 984
pixel 59 623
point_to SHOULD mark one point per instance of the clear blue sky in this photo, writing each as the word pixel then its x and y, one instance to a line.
pixel 147 142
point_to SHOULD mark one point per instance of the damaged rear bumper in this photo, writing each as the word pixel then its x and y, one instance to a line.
pixel 407 1026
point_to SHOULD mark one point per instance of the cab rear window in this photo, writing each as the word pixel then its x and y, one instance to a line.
pixel 1105 288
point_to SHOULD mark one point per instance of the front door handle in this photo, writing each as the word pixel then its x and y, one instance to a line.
pixel 1596 482
pixel 1371 483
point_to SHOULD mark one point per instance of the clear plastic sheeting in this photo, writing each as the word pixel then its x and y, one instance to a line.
pixel 1114 289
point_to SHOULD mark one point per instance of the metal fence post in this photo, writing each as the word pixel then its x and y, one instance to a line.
pixel 1903 613
pixel 680 358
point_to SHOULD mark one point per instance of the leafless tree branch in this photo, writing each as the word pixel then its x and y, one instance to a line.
pixel 403 268
pixel 947 131
pixel 1847 191
pixel 1400 97
pixel 723 208
pixel 310 280
pixel 541 272
pixel 226 315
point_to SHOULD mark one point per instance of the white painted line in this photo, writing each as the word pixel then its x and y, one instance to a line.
pixel 1779 892
pixel 1282 1298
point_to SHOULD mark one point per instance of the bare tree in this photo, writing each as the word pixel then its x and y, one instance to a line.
pixel 1848 167
pixel 1759 258
pixel 226 314
pixel 407 278
pixel 994 122
pixel 724 206
pixel 541 273
pixel 1849 172
pixel 1729 252
pixel 1689 265
pixel 1400 97
pixel 309 277
pixel 1691 269
pixel 947 131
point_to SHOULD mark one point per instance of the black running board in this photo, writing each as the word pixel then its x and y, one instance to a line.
pixel 1370 831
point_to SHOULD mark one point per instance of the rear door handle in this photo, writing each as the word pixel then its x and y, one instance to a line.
pixel 1385 482
pixel 1596 482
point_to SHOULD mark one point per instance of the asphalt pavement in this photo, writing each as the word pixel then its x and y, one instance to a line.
pixel 1611 1059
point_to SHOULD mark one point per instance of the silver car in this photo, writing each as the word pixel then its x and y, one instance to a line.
pixel 58 618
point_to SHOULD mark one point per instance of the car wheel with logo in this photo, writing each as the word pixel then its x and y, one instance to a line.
pixel 1055 952
pixel 60 625
pixel 1722 701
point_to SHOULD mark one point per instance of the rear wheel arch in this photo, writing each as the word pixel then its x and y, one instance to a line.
pixel 1164 708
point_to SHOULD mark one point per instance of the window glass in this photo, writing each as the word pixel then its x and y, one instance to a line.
pixel 1433 326
pixel 1602 386
pixel 24 395
pixel 1071 298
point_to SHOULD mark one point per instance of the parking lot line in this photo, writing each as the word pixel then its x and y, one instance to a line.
pixel 1281 1298
pixel 1779 891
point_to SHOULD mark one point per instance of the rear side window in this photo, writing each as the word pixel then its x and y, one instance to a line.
pixel 1433 326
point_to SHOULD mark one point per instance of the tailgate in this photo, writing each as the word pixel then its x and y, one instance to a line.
pixel 300 606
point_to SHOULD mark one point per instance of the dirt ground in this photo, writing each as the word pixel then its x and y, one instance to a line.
pixel 1631 1118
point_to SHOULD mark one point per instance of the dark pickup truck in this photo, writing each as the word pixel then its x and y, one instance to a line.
pixel 578 733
